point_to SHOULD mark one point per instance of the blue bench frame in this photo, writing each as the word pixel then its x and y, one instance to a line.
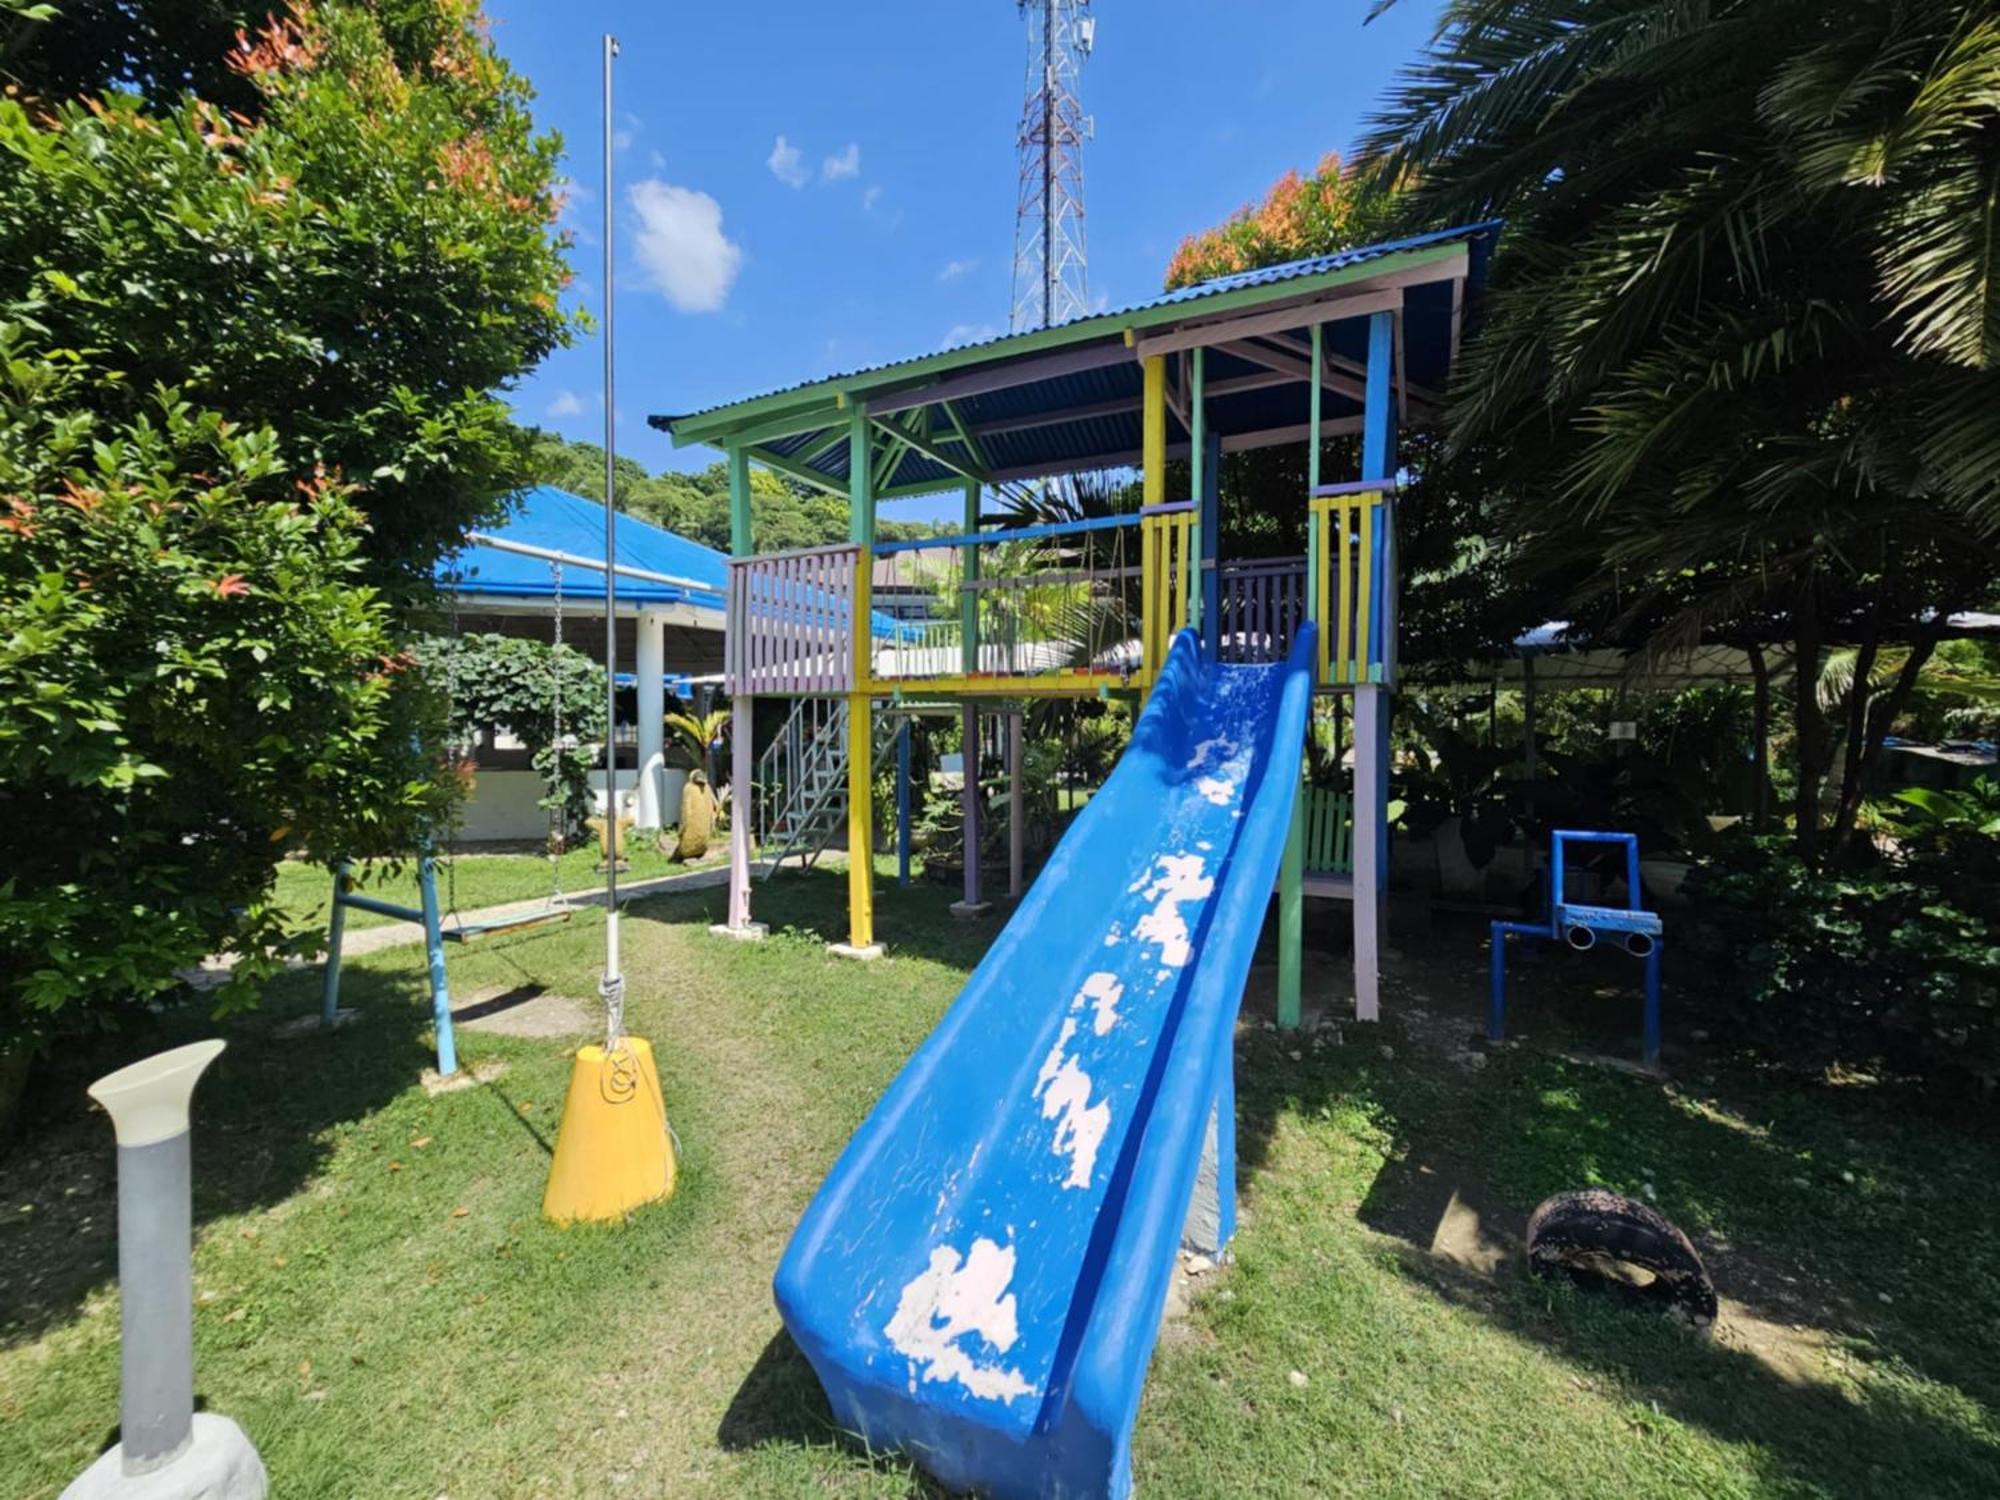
pixel 1639 931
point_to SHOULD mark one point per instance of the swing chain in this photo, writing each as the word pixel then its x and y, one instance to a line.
pixel 559 812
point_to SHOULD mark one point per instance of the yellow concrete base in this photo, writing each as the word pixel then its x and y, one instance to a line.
pixel 612 1153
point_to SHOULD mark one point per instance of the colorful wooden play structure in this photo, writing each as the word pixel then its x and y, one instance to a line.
pixel 980 1280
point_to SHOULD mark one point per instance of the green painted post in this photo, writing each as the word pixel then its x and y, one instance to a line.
pixel 860 480
pixel 1292 916
pixel 1197 451
pixel 329 999
pixel 739 503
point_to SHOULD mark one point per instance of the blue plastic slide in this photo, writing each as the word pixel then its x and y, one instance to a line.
pixel 980 1281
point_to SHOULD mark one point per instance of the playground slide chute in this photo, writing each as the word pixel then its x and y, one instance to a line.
pixel 980 1280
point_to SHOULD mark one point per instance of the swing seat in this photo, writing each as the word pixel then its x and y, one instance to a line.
pixel 465 932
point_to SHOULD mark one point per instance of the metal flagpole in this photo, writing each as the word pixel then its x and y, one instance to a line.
pixel 612 985
pixel 614 1150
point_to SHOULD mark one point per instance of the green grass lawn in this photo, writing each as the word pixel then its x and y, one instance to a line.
pixel 482 879
pixel 383 1310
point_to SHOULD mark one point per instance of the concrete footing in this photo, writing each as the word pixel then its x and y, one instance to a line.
pixel 749 932
pixel 847 950
pixel 217 1464
pixel 971 909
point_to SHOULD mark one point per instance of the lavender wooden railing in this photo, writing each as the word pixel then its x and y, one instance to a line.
pixel 791 621
pixel 1259 606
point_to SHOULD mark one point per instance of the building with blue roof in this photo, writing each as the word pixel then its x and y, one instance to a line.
pixel 670 618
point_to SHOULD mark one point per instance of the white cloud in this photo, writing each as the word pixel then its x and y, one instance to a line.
pixel 953 269
pixel 969 333
pixel 786 164
pixel 847 164
pixel 566 404
pixel 871 195
pixel 629 126
pixel 682 247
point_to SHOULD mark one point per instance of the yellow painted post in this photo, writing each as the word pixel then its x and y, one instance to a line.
pixel 1364 602
pixel 860 728
pixel 860 824
pixel 1337 537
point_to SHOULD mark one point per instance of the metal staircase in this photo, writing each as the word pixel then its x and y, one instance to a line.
pixel 801 782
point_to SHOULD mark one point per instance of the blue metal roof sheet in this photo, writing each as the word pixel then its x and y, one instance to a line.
pixel 558 521
pixel 561 522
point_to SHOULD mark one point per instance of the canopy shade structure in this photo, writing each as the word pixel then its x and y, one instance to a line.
pixel 568 532
pixel 1068 399
pixel 555 521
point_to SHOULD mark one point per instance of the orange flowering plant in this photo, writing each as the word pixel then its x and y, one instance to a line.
pixel 1335 207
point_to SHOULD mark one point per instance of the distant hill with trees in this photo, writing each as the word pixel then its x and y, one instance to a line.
pixel 696 505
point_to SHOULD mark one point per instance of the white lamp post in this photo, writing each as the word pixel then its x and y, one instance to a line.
pixel 165 1451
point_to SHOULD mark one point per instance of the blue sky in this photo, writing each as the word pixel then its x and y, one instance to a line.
pixel 810 188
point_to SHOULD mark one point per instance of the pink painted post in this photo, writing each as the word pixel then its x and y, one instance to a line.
pixel 739 814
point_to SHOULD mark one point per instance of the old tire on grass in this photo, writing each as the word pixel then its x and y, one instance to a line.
pixel 1593 1236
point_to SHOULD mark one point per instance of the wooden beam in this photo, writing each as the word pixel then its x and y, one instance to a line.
pixel 1271 437
pixel 1126 405
pixel 1295 366
pixel 1003 377
pixel 935 453
pixel 1341 364
pixel 789 425
pixel 966 437
pixel 800 472
pixel 1331 309
pixel 1240 442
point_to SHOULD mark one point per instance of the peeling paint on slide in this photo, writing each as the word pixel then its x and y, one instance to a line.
pixel 980 1279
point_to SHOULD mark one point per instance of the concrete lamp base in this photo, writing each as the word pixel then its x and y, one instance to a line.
pixel 217 1464
pixel 749 932
pixel 971 909
pixel 847 950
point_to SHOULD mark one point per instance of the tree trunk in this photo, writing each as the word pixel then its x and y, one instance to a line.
pixel 1880 717
pixel 1809 725
pixel 1760 719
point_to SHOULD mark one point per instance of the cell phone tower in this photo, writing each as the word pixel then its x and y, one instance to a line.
pixel 1051 279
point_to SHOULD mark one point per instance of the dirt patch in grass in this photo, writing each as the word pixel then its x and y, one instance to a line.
pixel 524 1010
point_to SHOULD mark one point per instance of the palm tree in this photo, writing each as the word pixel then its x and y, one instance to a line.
pixel 1739 358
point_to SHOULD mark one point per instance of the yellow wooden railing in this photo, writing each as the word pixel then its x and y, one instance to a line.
pixel 1352 533
pixel 1166 573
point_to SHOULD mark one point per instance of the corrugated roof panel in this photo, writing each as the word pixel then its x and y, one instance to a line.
pixel 1477 234
pixel 558 521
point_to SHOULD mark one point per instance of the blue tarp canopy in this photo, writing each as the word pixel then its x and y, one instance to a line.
pixel 557 521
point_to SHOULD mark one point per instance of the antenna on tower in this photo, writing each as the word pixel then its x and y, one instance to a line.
pixel 1050 276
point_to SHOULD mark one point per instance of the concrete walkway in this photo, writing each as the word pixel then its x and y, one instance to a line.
pixel 215 969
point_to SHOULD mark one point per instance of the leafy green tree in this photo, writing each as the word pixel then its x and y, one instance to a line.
pixel 1736 373
pixel 192 679
pixel 261 278
pixel 550 698
pixel 353 247
pixel 696 505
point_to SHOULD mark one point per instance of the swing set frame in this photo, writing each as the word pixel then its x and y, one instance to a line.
pixel 429 912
